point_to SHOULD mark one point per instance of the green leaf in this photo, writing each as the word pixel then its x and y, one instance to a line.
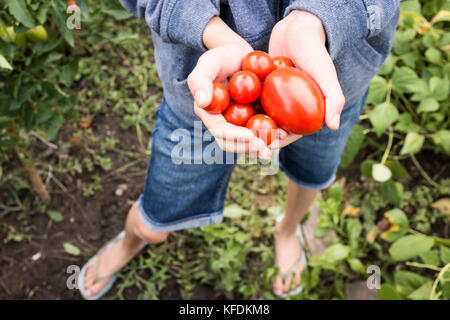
pixel 388 65
pixel 18 9
pixel 423 293
pixel 430 257
pixel 356 265
pixel 411 5
pixel 381 173
pixel 433 55
pixel 398 171
pixel 234 211
pixel 405 80
pixel 352 146
pixel 428 105
pixel 54 125
pixel 445 254
pixel 399 227
pixel 407 282
pixel 393 192
pixel 442 138
pixel 68 73
pixel 387 292
pixel 71 249
pixel 413 143
pixel 377 90
pixel 55 215
pixel 331 257
pixel 115 10
pixel 439 88
pixel 366 168
pixel 382 116
pixel 60 18
pixel 353 229
pixel 4 63
pixel 409 247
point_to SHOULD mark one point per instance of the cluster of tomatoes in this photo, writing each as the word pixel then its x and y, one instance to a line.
pixel 269 93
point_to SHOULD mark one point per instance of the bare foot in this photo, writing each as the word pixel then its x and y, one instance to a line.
pixel 287 253
pixel 109 262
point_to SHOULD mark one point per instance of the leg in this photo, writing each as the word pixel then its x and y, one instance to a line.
pixel 123 251
pixel 287 248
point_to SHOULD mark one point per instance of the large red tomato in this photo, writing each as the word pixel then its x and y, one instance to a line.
pixel 258 62
pixel 220 100
pixel 294 100
pixel 282 61
pixel 244 87
pixel 263 127
pixel 238 113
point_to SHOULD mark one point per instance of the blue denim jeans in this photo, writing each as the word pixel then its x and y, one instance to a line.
pixel 184 190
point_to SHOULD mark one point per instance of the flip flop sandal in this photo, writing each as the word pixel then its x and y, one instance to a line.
pixel 95 259
pixel 296 264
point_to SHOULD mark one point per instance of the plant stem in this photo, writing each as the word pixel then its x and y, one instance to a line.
pixel 423 266
pixel 389 146
pixel 423 173
pixel 436 282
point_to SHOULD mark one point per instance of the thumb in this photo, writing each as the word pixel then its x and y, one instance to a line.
pixel 200 81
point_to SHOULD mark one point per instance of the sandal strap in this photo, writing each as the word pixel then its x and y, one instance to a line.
pixel 96 259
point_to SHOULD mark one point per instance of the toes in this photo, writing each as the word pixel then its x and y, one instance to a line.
pixel 278 286
pixel 287 284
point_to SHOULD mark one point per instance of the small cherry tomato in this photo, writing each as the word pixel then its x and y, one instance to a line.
pixel 238 113
pixel 85 122
pixel 73 139
pixel 244 86
pixel 71 3
pixel 258 62
pixel 282 62
pixel 263 127
pixel 220 100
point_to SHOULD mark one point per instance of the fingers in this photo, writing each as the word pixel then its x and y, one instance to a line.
pixel 316 61
pixel 200 81
pixel 232 138
pixel 281 141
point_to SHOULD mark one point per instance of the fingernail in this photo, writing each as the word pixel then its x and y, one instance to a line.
pixel 336 121
pixel 200 97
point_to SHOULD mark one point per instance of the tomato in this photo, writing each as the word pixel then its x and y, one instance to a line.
pixel 294 100
pixel 37 34
pixel 220 100
pixel 263 127
pixel 282 62
pixel 85 122
pixel 71 3
pixel 244 86
pixel 258 62
pixel 238 113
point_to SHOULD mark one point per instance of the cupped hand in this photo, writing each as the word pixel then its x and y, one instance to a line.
pixel 217 65
pixel 301 37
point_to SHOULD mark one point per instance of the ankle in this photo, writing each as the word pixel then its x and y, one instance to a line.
pixel 282 230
